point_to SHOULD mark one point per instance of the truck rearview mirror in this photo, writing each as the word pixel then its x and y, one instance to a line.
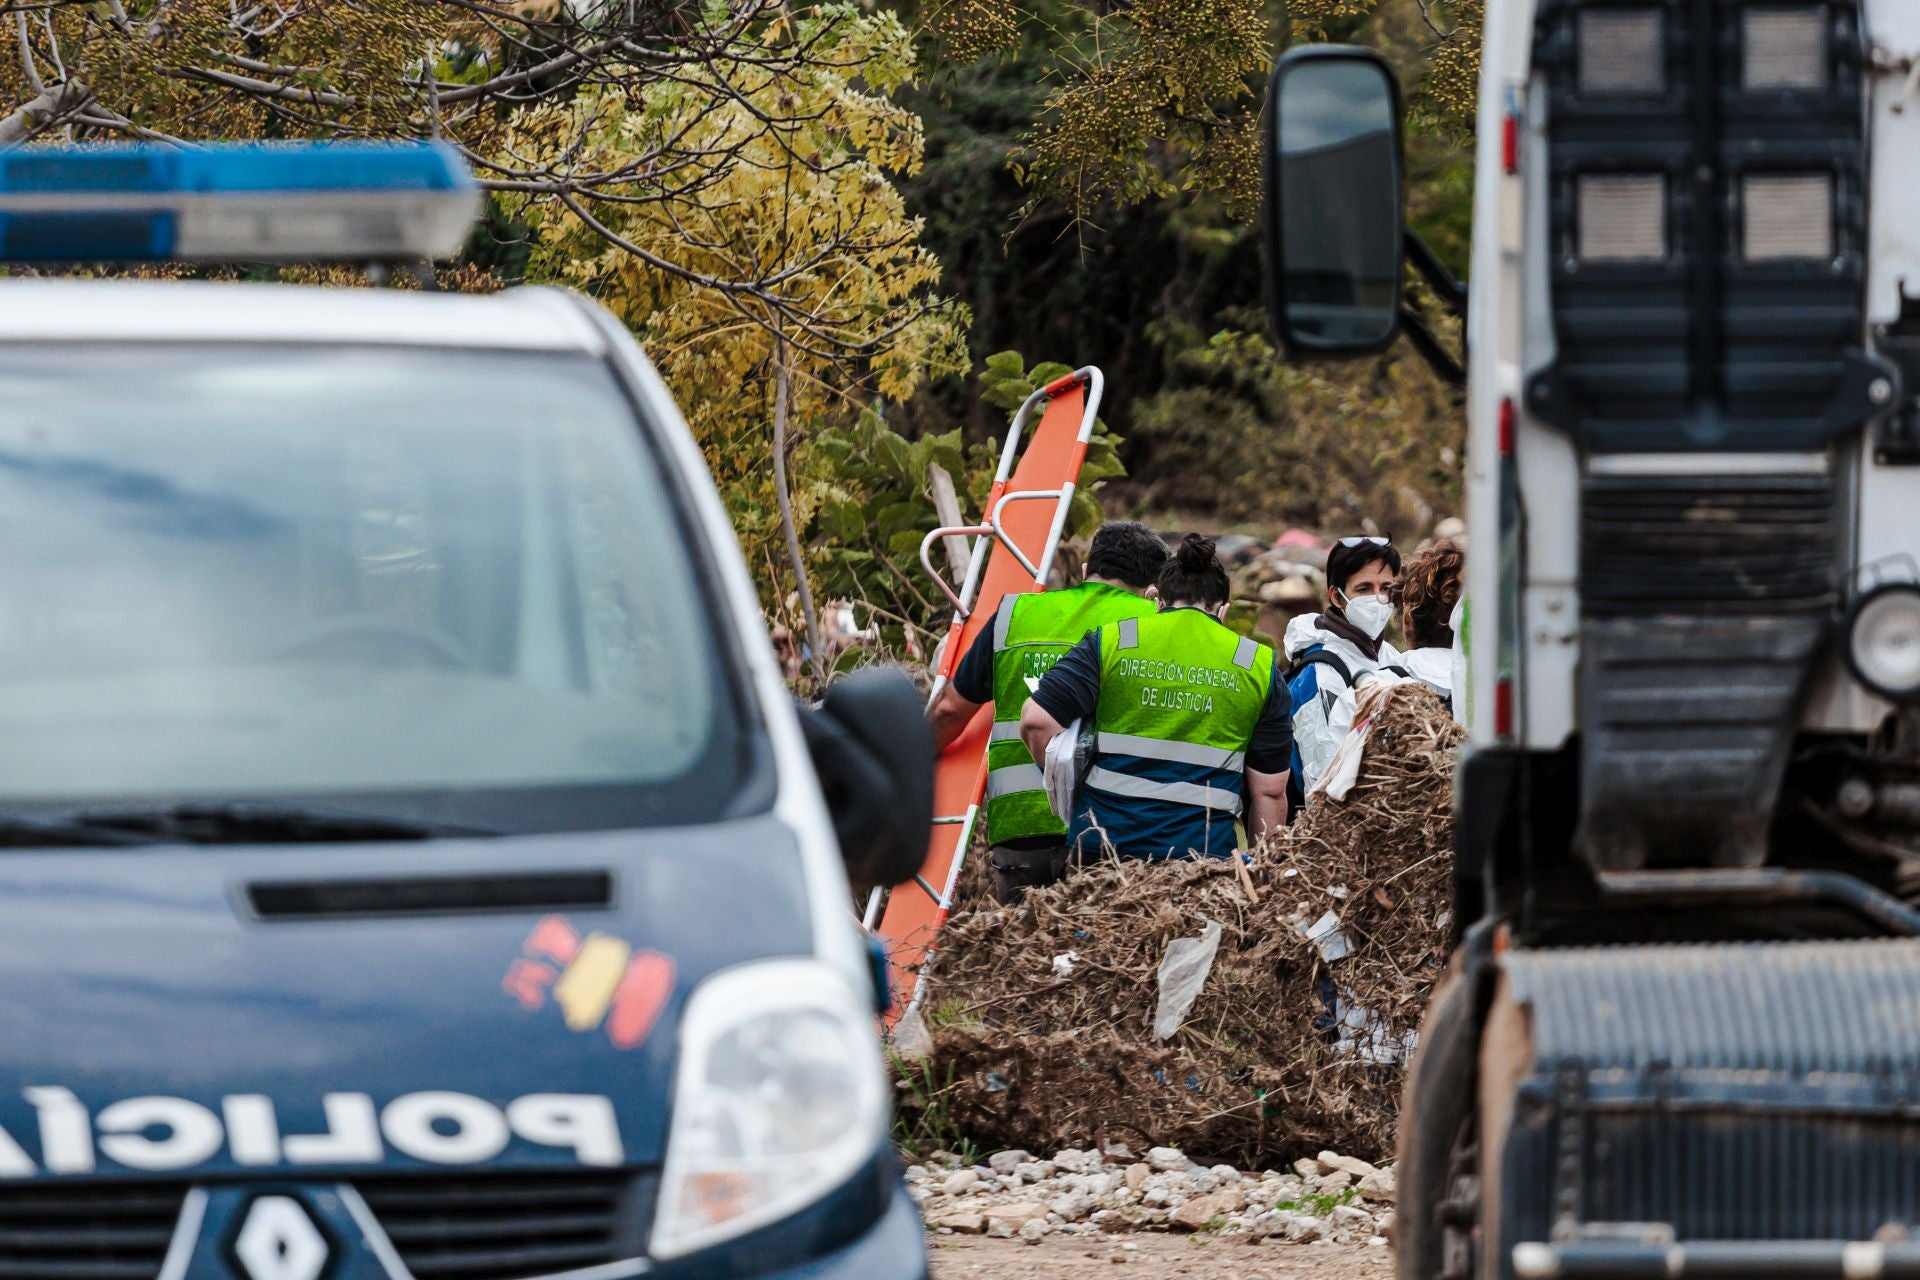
pixel 1332 212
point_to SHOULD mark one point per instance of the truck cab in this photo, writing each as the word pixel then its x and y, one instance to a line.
pixel 414 864
pixel 1686 818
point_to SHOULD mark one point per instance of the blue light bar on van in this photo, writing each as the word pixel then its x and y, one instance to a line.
pixel 300 202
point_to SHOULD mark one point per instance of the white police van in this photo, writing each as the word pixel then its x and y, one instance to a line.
pixel 411 862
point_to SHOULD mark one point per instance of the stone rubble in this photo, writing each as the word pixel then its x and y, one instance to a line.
pixel 1018 1195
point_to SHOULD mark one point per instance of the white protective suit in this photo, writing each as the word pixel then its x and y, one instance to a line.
pixel 1315 733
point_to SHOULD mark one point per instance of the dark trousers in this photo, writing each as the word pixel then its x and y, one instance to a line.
pixel 1017 870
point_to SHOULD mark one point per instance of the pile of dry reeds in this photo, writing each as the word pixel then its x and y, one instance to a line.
pixel 1041 1016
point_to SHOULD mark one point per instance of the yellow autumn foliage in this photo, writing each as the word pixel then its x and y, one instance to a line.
pixel 780 225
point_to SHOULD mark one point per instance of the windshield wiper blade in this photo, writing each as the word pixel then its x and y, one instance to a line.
pixel 218 823
pixel 36 833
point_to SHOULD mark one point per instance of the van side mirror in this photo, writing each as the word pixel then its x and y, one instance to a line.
pixel 1333 202
pixel 873 753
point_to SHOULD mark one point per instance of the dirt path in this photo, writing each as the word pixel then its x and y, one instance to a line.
pixel 1150 1256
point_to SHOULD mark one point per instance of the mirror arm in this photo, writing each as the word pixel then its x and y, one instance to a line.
pixel 1442 361
pixel 1450 291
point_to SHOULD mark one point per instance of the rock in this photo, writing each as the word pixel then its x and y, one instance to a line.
pixel 1378 1185
pixel 1034 1229
pixel 1270 1223
pixel 916 1173
pixel 1156 1196
pixel 1295 588
pixel 1331 1162
pixel 966 1224
pixel 1166 1159
pixel 1001 1230
pixel 1237 548
pixel 1199 1211
pixel 919 1195
pixel 1347 1215
pixel 1073 1160
pixel 1384 1221
pixel 960 1181
pixel 1451 527
pixel 1070 1208
pixel 1225 1174
pixel 1307 1168
pixel 1303 1229
pixel 1029 1171
pixel 1005 1162
pixel 1336 1181
pixel 1016 1213
pixel 1137 1176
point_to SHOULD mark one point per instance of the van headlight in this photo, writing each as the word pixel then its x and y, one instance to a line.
pixel 1883 640
pixel 780 1098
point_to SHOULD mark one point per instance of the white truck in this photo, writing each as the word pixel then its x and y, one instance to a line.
pixel 1683 1037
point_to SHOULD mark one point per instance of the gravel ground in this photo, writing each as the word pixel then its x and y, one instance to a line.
pixel 1030 1218
pixel 1151 1256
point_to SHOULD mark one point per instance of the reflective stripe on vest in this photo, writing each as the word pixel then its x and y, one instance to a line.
pixel 1031 632
pixel 1127 744
pixel 1011 779
pixel 1188 793
pixel 1178 707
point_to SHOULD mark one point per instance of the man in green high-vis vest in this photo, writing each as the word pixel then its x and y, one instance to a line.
pixel 1006 661
pixel 1192 724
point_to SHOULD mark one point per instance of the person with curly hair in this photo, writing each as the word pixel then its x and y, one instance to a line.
pixel 1430 588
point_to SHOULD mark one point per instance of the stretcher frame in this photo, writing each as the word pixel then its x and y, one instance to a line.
pixel 908 918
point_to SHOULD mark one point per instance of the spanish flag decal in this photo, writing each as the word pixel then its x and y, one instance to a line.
pixel 597 981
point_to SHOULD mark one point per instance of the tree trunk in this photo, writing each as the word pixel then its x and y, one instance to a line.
pixel 946 505
pixel 816 652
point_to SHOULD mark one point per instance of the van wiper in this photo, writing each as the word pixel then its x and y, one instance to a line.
pixel 217 823
pixel 36 833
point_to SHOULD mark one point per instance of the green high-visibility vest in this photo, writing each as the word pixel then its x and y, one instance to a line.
pixel 1031 632
pixel 1180 696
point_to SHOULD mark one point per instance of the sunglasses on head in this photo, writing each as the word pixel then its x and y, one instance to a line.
pixel 1362 539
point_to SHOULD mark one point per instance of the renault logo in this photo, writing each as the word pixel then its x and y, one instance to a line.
pixel 278 1241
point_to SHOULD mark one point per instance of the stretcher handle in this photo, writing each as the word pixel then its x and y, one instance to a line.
pixel 960 609
pixel 1000 533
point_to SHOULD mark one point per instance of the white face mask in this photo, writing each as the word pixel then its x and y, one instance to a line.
pixel 1369 613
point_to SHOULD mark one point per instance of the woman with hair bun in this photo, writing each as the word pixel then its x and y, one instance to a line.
pixel 1189 717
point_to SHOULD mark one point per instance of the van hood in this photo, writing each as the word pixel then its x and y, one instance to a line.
pixel 163 1015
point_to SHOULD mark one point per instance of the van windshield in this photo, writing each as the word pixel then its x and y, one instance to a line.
pixel 430 583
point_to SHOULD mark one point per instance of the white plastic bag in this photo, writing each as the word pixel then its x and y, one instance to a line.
pixel 1183 971
pixel 1061 769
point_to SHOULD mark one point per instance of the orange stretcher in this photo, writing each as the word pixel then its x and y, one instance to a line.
pixel 1011 552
